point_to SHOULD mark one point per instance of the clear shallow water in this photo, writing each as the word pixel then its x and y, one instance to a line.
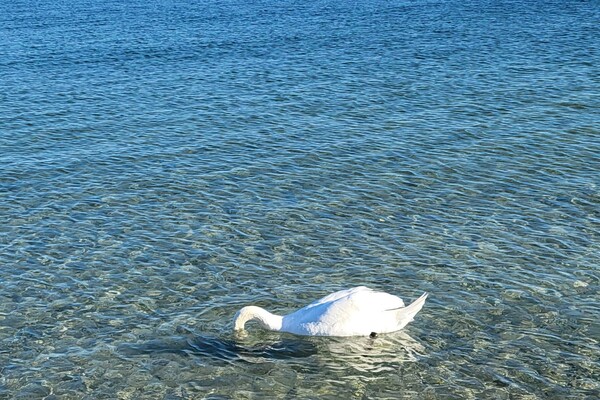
pixel 165 163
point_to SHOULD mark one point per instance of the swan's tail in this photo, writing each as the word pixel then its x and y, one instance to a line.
pixel 406 314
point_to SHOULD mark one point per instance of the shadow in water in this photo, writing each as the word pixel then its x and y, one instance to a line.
pixel 224 350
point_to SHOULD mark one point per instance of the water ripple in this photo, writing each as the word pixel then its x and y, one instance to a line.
pixel 165 163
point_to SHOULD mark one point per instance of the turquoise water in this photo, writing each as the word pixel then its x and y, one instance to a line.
pixel 163 163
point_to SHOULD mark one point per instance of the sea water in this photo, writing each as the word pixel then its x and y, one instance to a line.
pixel 164 163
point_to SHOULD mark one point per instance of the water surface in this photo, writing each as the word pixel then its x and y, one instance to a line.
pixel 163 163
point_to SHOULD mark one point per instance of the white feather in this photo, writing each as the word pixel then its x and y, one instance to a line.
pixel 352 312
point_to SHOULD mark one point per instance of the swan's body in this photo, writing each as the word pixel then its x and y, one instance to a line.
pixel 359 311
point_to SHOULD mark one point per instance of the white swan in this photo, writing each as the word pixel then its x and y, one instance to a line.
pixel 359 311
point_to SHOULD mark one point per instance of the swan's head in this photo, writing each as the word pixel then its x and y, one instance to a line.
pixel 241 317
pixel 262 316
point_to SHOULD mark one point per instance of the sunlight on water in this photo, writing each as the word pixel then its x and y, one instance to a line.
pixel 165 163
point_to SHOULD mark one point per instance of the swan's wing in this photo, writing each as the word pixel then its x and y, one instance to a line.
pixel 357 311
pixel 331 309
pixel 373 301
pixel 339 295
pixel 363 312
pixel 358 299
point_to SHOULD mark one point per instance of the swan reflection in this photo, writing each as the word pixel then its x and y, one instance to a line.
pixel 383 353
pixel 362 354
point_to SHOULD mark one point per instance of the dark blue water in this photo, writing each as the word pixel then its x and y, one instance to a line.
pixel 163 163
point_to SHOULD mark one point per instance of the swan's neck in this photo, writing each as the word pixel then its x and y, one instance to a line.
pixel 266 319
